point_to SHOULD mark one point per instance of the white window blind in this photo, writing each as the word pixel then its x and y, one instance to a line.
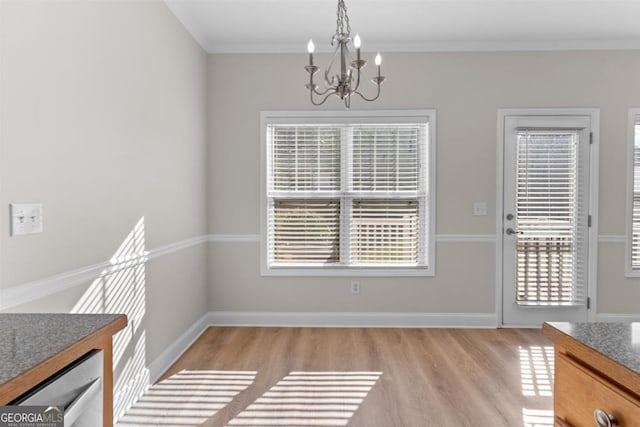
pixel 551 220
pixel 386 158
pixel 385 232
pixel 305 231
pixel 306 158
pixel 634 255
pixel 347 195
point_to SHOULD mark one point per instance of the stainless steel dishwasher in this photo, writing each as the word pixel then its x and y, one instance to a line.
pixel 77 389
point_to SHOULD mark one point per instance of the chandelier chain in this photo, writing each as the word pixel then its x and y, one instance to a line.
pixel 343 19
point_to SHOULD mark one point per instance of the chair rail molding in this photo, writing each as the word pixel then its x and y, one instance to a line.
pixel 37 289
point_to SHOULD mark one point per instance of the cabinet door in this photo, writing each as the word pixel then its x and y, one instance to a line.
pixel 578 393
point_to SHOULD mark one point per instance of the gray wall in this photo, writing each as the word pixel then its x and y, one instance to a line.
pixel 466 89
pixel 102 120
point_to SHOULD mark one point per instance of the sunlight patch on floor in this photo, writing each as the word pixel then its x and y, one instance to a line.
pixel 536 370
pixel 537 417
pixel 187 398
pixel 309 399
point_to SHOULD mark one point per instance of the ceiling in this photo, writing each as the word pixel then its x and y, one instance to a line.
pixel 269 26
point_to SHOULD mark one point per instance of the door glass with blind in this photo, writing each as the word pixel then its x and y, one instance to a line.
pixel 545 219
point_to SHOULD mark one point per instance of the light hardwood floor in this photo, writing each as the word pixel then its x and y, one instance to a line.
pixel 235 376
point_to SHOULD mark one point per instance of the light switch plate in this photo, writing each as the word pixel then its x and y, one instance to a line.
pixel 479 208
pixel 26 218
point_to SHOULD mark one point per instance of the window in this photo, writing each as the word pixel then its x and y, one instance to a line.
pixel 348 193
pixel 633 197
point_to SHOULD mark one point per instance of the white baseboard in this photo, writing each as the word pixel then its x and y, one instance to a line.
pixel 611 317
pixel 354 319
pixel 169 356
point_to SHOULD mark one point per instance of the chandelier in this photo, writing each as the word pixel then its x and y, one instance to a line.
pixel 346 82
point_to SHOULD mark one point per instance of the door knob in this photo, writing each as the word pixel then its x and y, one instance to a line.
pixel 511 231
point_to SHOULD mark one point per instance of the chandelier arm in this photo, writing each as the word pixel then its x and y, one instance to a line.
pixel 355 89
pixel 368 99
pixel 324 92
pixel 311 85
pixel 328 82
pixel 329 67
pixel 323 99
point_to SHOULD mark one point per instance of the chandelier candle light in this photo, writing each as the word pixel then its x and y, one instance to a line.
pixel 341 84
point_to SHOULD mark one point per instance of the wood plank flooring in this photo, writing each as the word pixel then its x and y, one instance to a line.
pixel 234 376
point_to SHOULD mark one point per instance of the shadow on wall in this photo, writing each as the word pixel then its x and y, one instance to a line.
pixel 121 289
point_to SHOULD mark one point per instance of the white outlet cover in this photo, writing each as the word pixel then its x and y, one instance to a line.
pixel 26 218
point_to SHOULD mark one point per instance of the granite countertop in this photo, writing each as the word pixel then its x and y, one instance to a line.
pixel 27 340
pixel 619 342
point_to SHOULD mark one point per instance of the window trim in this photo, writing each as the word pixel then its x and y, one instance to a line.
pixel 633 116
pixel 373 116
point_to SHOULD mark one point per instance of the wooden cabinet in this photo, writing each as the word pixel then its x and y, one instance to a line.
pixel 579 391
pixel 590 376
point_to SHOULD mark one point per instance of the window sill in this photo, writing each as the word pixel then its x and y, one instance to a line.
pixel 348 271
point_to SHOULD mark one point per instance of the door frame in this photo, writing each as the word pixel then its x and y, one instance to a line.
pixel 594 114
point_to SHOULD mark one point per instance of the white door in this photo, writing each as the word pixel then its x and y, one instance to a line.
pixel 545 218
